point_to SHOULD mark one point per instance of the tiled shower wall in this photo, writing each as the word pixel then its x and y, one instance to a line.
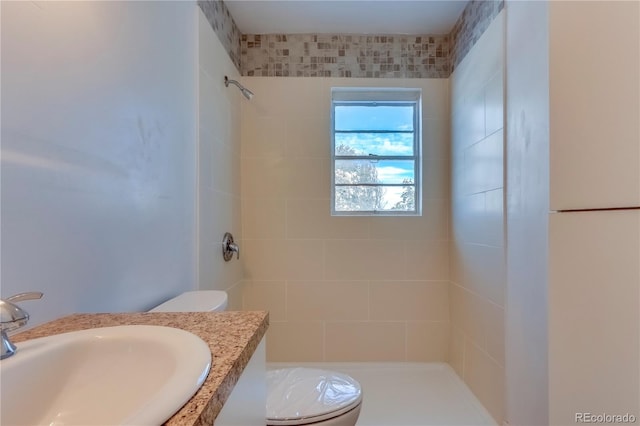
pixel 478 271
pixel 337 287
pixel 340 288
pixel 218 167
pixel 349 55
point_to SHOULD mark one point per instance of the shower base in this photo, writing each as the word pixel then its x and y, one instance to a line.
pixel 410 394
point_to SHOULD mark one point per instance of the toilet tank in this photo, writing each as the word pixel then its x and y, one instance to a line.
pixel 195 301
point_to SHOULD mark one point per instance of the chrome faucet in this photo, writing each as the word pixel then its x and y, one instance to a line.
pixel 13 317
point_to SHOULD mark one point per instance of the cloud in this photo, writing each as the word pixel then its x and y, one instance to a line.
pixel 391 174
pixel 368 143
pixel 390 148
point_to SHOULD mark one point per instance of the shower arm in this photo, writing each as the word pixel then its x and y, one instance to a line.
pixel 246 92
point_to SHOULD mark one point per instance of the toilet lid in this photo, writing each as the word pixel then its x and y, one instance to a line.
pixel 297 396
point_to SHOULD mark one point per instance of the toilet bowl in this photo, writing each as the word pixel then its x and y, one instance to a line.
pixel 310 396
pixel 295 396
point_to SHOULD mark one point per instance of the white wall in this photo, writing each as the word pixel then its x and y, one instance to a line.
pixel 219 205
pixel 594 263
pixel 527 149
pixel 594 314
pixel 594 154
pixel 336 287
pixel 478 267
pixel 98 154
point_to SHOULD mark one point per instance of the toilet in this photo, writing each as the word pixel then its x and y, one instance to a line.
pixel 311 396
pixel 295 396
pixel 195 301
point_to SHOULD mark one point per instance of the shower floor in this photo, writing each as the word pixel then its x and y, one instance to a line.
pixel 410 394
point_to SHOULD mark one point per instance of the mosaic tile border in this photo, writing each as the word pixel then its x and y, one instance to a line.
pixel 471 24
pixel 348 55
pixel 345 55
pixel 224 26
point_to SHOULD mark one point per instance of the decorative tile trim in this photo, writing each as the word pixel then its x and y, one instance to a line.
pixel 471 24
pixel 224 26
pixel 345 55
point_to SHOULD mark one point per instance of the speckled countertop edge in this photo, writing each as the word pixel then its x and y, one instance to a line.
pixel 232 337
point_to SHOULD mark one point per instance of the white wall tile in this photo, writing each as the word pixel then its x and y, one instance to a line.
pixel 266 296
pixel 484 164
pixel 311 218
pixel 494 317
pixel 308 137
pixel 410 301
pixel 363 341
pixel 265 259
pixel 435 178
pixel 263 218
pixel 494 104
pixel 214 108
pixel 295 341
pixel 432 225
pixel 493 219
pixel 218 162
pixel 456 350
pixel 477 261
pixel 364 259
pixel 307 178
pixel 263 137
pixel 484 271
pixel 305 259
pixel 328 300
pixel 263 177
pixel 427 341
pixel 321 256
pixel 427 260
pixel 436 139
pixel 486 379
pixel 467 314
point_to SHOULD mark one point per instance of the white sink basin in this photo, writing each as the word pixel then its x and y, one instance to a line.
pixel 126 375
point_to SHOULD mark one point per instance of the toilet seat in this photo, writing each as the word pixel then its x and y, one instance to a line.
pixel 300 396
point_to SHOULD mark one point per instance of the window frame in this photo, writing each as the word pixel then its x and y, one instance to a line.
pixel 379 97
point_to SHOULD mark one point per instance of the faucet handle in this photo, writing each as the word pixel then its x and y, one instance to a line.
pixel 30 295
pixel 13 316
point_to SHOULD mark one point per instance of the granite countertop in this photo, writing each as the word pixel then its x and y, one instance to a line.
pixel 232 337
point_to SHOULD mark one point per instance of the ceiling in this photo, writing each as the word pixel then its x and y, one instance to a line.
pixel 345 16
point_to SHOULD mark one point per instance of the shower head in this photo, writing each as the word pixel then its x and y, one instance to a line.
pixel 246 92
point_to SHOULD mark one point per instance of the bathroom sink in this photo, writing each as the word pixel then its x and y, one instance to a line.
pixel 125 375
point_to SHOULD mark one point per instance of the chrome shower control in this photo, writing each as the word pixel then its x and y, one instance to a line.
pixel 229 247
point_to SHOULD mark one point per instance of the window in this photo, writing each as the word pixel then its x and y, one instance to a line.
pixel 375 148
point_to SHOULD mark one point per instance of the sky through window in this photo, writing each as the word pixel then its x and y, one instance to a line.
pixel 375 156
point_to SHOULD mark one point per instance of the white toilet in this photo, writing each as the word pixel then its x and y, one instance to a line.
pixel 195 301
pixel 310 396
pixel 295 396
